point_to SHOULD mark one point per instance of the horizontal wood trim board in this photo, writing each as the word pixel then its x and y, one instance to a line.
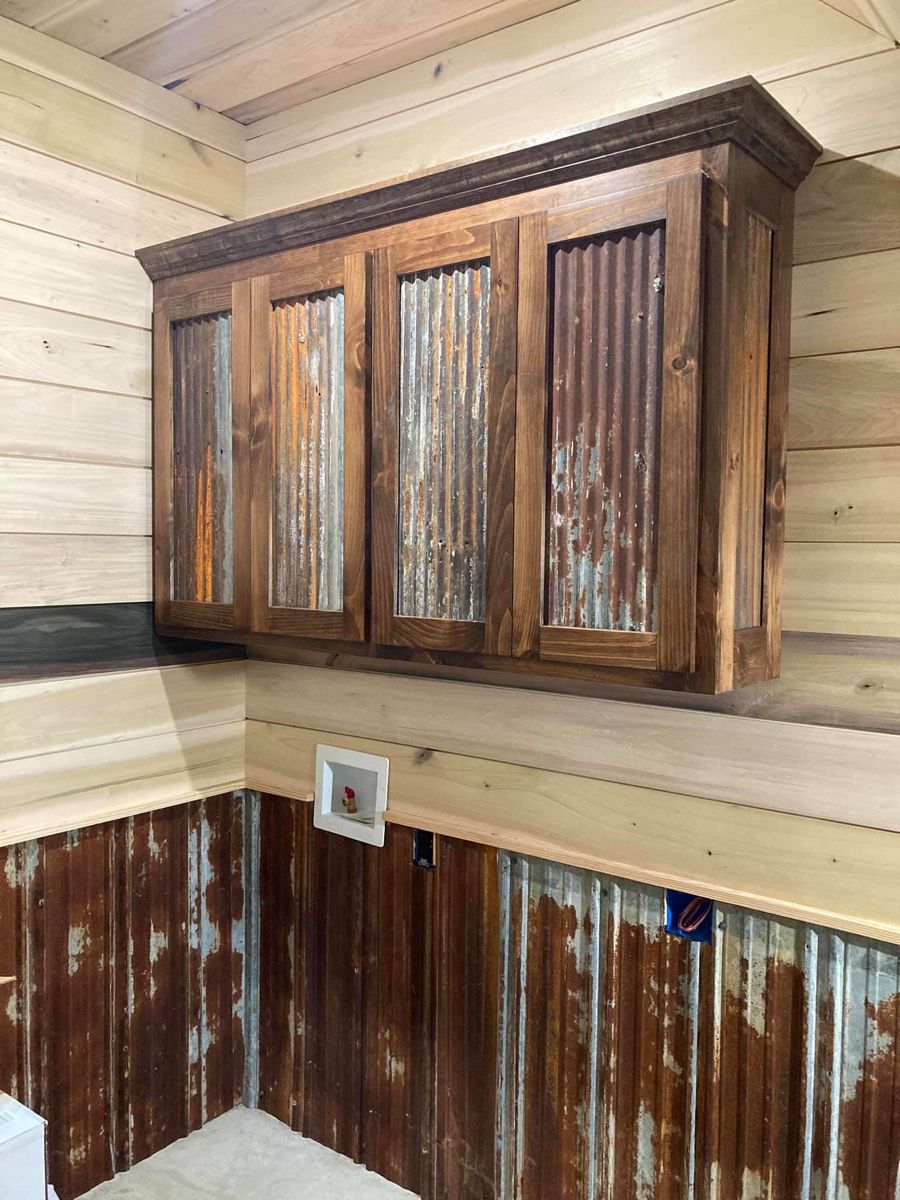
pixel 851 682
pixel 44 115
pixel 839 775
pixel 740 111
pixel 63 198
pixel 91 784
pixel 41 420
pixel 70 639
pixel 794 866
pixel 48 716
pixel 851 206
pixel 847 588
pixel 40 569
pixel 845 400
pixel 844 495
pixel 88 73
pixel 846 304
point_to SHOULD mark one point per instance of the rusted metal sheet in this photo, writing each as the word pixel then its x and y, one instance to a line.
pixel 606 347
pixel 124 1026
pixel 202 459
pixel 444 361
pixel 307 370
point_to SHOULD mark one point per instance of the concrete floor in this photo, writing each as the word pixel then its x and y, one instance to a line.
pixel 247 1155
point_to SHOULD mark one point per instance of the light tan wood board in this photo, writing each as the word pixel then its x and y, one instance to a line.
pixel 38 569
pixel 839 775
pixel 794 866
pixel 849 588
pixel 40 421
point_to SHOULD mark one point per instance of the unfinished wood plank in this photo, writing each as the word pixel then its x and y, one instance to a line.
pixel 795 768
pixel 69 65
pixel 40 344
pixel 851 588
pixel 851 206
pixel 38 569
pixel 37 496
pixel 38 420
pixel 821 871
pixel 375 34
pixel 50 715
pixel 101 27
pixel 417 133
pixel 41 268
pixel 846 304
pixel 848 495
pixel 845 400
pixel 102 783
pixel 48 116
pixel 59 197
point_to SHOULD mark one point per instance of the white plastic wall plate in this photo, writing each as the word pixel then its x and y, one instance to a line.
pixel 351 794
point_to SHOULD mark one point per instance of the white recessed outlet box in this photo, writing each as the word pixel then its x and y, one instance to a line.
pixel 351 794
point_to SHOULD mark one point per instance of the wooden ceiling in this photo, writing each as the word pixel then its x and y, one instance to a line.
pixel 251 58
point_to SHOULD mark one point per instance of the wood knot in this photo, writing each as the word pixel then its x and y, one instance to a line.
pixel 422 756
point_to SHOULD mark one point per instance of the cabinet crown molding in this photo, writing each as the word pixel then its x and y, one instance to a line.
pixel 740 112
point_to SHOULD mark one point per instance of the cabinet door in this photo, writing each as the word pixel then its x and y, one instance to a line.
pixel 309 448
pixel 201 416
pixel 444 440
pixel 607 430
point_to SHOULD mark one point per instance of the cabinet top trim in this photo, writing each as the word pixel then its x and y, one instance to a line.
pixel 741 112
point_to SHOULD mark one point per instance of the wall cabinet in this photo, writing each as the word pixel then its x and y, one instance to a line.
pixel 528 413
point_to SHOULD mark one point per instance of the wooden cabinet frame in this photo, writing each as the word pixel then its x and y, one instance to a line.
pixel 496 242
pixel 206 301
pixel 310 275
pixel 680 204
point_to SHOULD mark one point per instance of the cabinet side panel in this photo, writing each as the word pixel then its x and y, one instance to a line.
pixel 444 363
pixel 754 395
pixel 606 345
pixel 202 468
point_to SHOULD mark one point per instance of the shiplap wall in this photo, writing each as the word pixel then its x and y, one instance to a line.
pixel 839 73
pixel 94 163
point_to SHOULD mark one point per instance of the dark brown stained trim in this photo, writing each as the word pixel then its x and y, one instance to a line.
pixel 740 112
pixel 77 639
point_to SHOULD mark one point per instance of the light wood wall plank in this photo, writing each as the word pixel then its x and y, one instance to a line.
pixel 845 400
pixel 37 496
pixel 49 715
pixel 37 569
pixel 820 871
pixel 101 28
pixel 58 197
pixel 790 767
pixel 41 345
pixel 84 72
pixel 41 268
pixel 57 120
pixel 75 788
pixel 763 37
pixel 851 206
pixel 38 420
pixel 846 304
pixel 849 588
pixel 848 495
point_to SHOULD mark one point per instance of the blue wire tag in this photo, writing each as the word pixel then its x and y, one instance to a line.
pixel 689 916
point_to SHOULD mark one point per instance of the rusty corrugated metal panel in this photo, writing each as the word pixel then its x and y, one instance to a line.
pixel 123 1026
pixel 444 360
pixel 202 459
pixel 308 452
pixel 605 356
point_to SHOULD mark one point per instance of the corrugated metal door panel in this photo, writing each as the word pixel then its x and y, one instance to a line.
pixel 443 453
pixel 307 372
pixel 202 482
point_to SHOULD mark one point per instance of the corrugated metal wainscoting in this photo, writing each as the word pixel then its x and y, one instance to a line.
pixel 125 1026
pixel 506 1027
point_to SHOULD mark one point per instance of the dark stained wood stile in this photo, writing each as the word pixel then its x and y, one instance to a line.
pixel 588 476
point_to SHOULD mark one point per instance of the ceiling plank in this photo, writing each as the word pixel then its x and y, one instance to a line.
pixel 102 26
pixel 373 30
